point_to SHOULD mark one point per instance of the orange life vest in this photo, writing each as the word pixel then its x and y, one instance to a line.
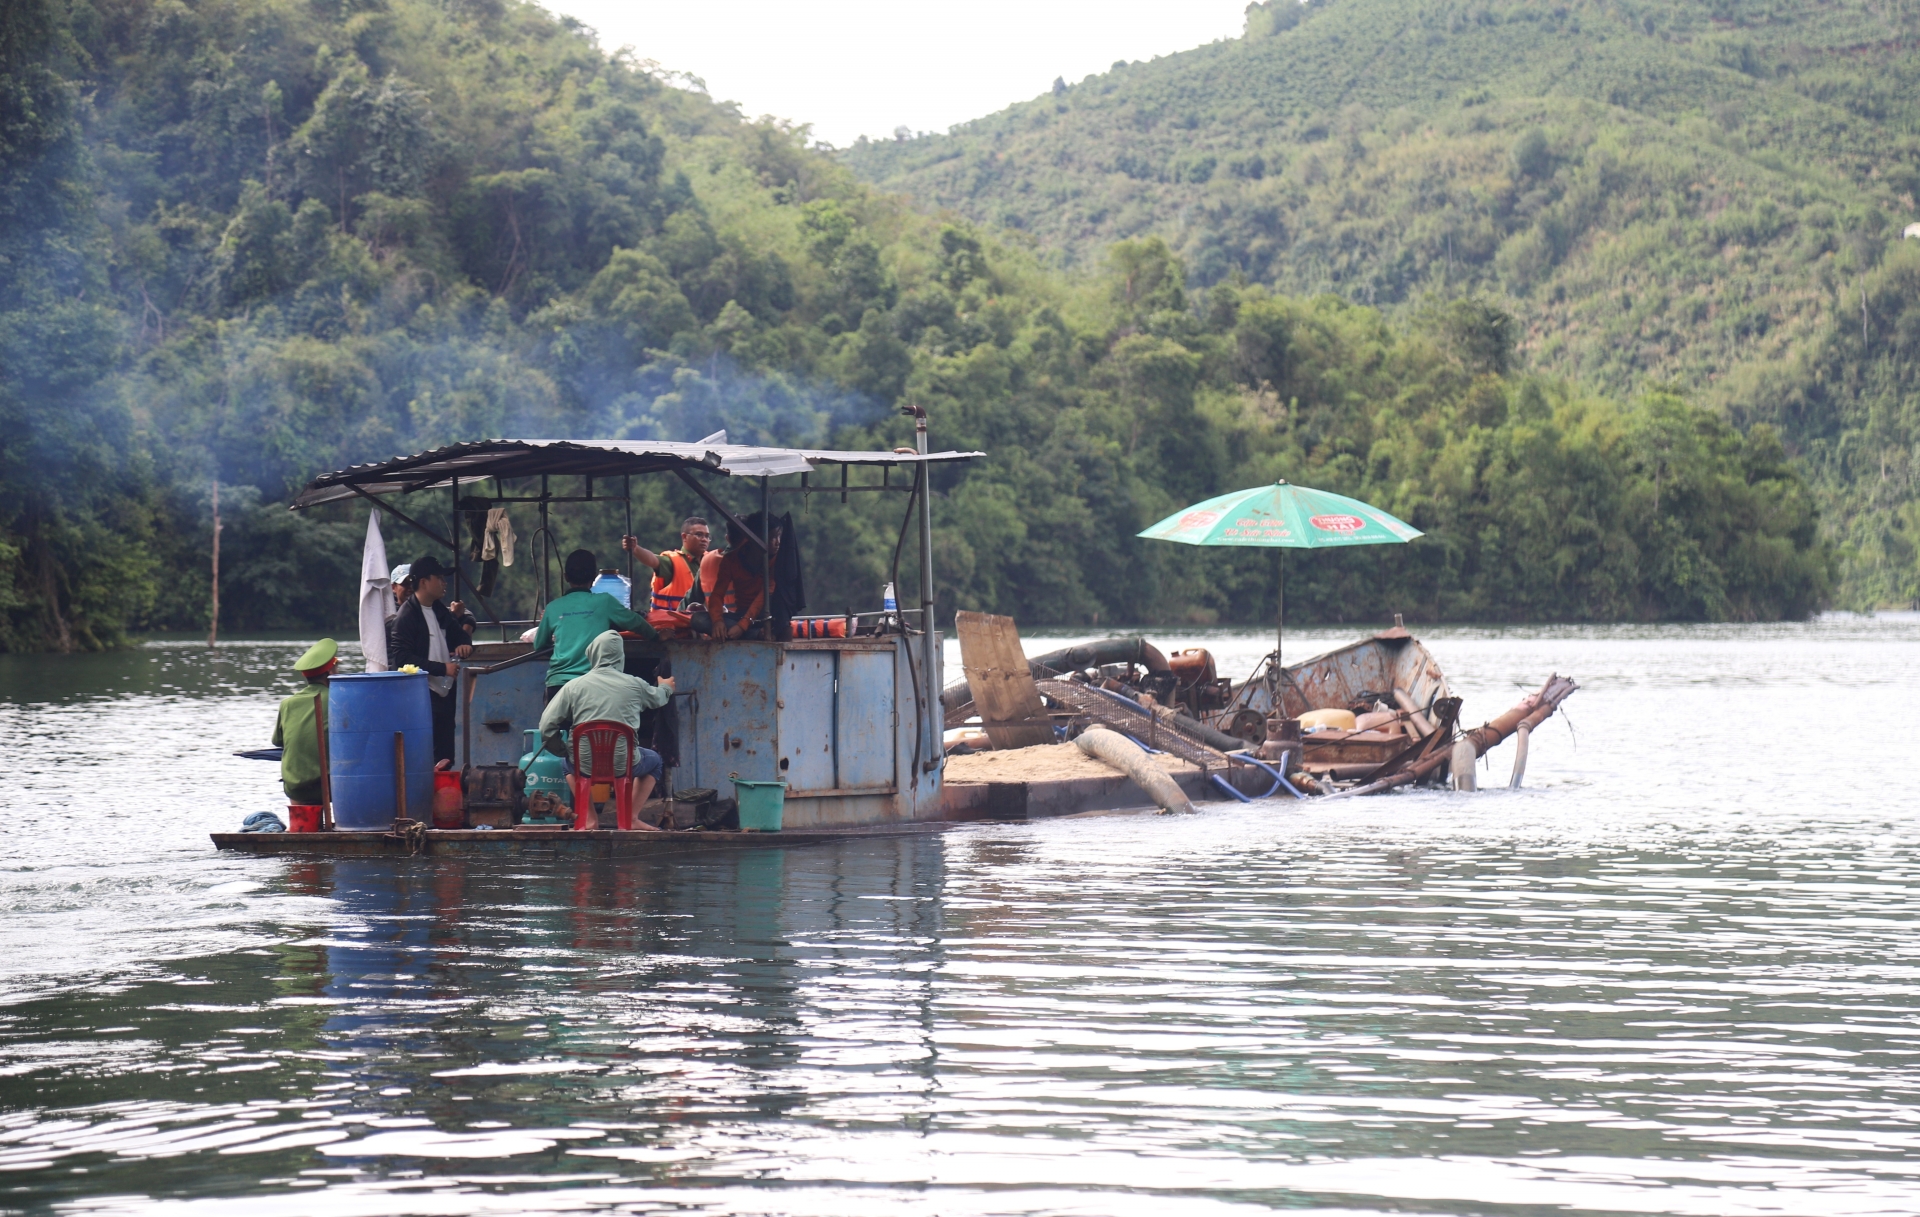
pixel 669 593
pixel 708 584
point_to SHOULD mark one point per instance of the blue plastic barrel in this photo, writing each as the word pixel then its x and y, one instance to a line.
pixel 363 713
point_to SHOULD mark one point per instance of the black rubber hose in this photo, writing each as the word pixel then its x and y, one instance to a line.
pixel 1219 741
pixel 1099 654
pixel 1073 659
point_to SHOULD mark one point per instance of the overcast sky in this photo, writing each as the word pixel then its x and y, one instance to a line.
pixel 860 67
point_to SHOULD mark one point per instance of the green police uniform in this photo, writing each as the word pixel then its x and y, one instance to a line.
pixel 298 730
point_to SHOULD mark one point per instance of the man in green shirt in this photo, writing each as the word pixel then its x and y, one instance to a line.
pixel 577 618
pixel 297 733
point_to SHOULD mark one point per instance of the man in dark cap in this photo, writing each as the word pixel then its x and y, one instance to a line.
pixel 429 636
pixel 577 618
pixel 297 731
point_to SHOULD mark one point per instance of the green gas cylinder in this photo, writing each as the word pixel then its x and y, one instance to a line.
pixel 548 797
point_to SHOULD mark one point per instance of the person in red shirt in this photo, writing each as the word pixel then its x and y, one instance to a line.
pixel 740 577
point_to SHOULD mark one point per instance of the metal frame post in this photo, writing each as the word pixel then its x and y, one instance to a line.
pixel 930 634
pixel 459 567
pixel 766 556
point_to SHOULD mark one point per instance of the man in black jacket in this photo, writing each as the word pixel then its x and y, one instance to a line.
pixel 426 634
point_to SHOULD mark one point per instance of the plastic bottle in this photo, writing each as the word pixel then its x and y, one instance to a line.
pixel 890 606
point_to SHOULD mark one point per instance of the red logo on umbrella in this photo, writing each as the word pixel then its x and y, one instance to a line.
pixel 1196 519
pixel 1338 523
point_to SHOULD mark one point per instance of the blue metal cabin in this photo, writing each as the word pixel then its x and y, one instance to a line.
pixel 836 719
pixel 852 725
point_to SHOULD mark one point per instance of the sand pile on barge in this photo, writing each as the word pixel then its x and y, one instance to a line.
pixel 1045 763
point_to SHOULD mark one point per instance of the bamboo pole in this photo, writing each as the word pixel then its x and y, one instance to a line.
pixel 326 760
pixel 213 621
pixel 399 775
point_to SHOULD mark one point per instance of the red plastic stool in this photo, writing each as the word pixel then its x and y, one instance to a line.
pixel 600 738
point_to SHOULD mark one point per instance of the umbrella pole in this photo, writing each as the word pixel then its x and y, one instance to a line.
pixel 1280 639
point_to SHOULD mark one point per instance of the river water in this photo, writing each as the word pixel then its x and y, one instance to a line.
pixel 1677 973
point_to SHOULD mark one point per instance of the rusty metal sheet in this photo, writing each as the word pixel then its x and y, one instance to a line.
pixel 865 729
pixel 745 706
pixel 806 713
pixel 1323 748
pixel 512 696
pixel 1334 680
pixel 727 711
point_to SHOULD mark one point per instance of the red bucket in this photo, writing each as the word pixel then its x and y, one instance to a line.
pixel 449 804
pixel 304 817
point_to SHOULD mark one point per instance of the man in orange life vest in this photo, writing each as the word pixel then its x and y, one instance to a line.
pixel 676 573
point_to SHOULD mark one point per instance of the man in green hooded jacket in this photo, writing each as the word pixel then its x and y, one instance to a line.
pixel 608 693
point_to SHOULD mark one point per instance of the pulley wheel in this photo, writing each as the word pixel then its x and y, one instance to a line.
pixel 1249 725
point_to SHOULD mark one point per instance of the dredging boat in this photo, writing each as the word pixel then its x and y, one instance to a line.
pixel 849 722
pixel 845 722
pixel 1367 717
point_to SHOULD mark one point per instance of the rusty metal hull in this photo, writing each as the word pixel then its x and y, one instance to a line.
pixel 835 719
pixel 1372 667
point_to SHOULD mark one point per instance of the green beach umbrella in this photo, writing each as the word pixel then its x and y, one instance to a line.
pixel 1283 516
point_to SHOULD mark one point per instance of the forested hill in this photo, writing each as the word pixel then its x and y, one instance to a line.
pixel 1690 193
pixel 255 239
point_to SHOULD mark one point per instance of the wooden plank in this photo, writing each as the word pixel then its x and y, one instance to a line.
pixel 1109 713
pixel 543 842
pixel 1002 686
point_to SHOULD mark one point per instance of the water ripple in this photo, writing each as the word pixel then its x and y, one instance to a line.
pixel 1677 974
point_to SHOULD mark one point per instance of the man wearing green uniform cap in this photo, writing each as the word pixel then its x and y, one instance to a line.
pixel 298 731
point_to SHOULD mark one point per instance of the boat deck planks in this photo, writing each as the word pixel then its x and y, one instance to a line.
pixel 961 803
pixel 602 843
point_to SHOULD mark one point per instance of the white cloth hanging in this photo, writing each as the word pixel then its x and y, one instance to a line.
pixel 376 596
pixel 437 651
pixel 499 537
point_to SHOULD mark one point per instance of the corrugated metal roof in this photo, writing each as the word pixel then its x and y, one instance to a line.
pixel 506 458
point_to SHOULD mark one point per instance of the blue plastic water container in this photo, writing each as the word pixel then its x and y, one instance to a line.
pixel 613 583
pixel 363 713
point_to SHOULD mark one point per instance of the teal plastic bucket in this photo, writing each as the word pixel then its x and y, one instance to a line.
pixel 760 804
